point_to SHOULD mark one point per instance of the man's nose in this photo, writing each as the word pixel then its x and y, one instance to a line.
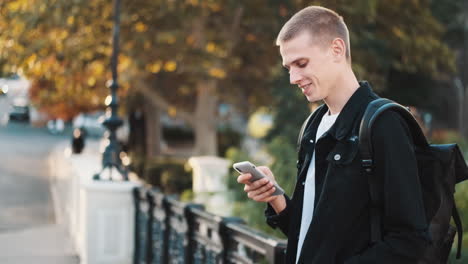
pixel 294 77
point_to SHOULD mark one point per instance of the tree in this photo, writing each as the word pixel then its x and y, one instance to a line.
pixel 188 56
pixel 188 47
pixel 453 14
pixel 57 48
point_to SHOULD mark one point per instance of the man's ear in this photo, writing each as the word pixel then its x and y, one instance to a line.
pixel 338 49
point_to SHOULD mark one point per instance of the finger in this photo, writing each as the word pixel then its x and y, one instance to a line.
pixel 256 192
pixel 244 178
pixel 265 195
pixel 267 186
pixel 266 171
pixel 259 183
pixel 256 185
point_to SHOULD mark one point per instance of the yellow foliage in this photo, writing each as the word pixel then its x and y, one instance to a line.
pixel 154 67
pixel 192 2
pixel 215 7
pixel 43 52
pixel 91 81
pixel 170 39
pixel 70 20
pixel 398 32
pixel 88 29
pixel 217 73
pixel 141 27
pixel 185 90
pixel 170 66
pixel 210 47
pixel 59 46
pixel 172 111
pixel 14 5
pixel 97 68
pixel 259 123
pixel 190 40
pixel 42 8
pixel 9 43
pixel 250 37
pixel 63 34
pixel 31 60
pixel 124 62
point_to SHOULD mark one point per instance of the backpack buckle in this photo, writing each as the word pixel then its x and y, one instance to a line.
pixel 367 164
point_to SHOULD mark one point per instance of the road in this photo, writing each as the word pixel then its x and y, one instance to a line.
pixel 26 206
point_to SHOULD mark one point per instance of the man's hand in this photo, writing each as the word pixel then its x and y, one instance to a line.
pixel 262 189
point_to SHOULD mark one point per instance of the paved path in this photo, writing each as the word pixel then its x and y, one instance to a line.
pixel 29 232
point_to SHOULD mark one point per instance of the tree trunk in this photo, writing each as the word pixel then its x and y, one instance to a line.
pixel 206 142
pixel 153 130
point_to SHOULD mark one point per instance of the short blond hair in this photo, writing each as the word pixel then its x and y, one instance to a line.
pixel 323 24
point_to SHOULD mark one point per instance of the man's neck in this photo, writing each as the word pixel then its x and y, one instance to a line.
pixel 341 92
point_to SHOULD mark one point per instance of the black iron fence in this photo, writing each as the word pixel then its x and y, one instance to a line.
pixel 170 231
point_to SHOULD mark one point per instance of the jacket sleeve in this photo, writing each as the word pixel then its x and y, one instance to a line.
pixel 404 225
pixel 280 220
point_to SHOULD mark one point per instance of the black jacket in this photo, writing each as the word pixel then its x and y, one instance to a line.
pixel 340 228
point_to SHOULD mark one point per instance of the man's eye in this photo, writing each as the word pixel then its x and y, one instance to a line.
pixel 302 65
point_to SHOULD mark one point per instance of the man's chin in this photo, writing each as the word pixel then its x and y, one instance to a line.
pixel 312 99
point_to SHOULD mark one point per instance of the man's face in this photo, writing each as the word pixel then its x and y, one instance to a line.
pixel 310 66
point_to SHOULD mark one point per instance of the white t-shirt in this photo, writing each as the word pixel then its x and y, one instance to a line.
pixel 309 188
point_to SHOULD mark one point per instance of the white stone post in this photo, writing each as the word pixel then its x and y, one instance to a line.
pixel 210 183
pixel 107 222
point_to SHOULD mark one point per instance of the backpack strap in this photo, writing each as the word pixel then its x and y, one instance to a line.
pixel 373 111
pixel 365 148
pixel 458 224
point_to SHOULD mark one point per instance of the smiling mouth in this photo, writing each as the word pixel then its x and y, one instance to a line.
pixel 305 88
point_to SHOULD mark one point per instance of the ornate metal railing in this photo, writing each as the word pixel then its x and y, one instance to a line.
pixel 170 231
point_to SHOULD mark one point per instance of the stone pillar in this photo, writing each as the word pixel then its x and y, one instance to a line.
pixel 107 222
pixel 210 183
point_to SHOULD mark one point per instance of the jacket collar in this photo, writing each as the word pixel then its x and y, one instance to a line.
pixel 348 115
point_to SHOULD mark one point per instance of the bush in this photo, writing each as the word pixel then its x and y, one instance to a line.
pixel 138 163
pixel 461 200
pixel 175 134
pixel 450 136
pixel 227 138
pixel 283 166
pixel 171 175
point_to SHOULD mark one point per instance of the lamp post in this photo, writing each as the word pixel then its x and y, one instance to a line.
pixel 111 157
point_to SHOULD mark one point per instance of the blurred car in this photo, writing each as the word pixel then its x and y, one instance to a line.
pixel 14 85
pixel 4 89
pixel 19 109
pixel 92 125
pixel 55 126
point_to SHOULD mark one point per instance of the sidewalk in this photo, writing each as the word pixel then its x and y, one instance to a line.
pixel 40 245
pixel 51 243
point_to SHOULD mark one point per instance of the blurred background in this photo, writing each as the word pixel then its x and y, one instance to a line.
pixel 204 78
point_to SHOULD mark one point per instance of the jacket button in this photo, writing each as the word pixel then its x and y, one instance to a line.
pixel 337 157
pixel 303 183
pixel 311 141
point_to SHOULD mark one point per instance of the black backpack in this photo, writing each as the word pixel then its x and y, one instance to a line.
pixel 440 168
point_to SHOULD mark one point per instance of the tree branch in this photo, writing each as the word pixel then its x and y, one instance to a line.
pixel 158 101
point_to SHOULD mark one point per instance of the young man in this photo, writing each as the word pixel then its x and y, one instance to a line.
pixel 327 220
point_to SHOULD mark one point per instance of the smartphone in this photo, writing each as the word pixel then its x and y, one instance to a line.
pixel 247 167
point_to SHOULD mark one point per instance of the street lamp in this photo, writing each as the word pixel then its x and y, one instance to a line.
pixel 111 160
